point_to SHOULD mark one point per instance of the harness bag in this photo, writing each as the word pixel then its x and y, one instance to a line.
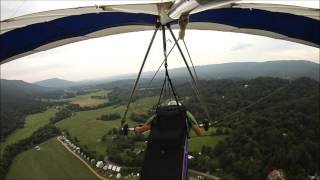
pixel 164 157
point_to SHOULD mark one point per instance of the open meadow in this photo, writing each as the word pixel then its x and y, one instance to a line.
pixel 32 123
pixel 87 100
pixel 51 162
pixel 89 131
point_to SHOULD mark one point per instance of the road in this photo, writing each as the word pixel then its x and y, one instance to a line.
pixel 204 174
pixel 83 161
pixel 103 178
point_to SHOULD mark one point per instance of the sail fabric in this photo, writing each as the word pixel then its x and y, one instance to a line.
pixel 37 32
pixel 38 37
pixel 276 25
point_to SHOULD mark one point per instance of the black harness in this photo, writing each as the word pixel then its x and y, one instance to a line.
pixel 165 149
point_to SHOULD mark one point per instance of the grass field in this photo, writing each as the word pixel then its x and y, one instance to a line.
pixel 52 162
pixel 89 131
pixel 86 100
pixel 196 143
pixel 32 123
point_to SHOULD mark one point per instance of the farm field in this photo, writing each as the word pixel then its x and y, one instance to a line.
pixel 86 100
pixel 89 131
pixel 52 161
pixel 32 123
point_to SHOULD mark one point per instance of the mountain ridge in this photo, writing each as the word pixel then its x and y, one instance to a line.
pixel 286 69
pixel 55 83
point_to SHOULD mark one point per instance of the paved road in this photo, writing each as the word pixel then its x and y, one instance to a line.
pixel 83 161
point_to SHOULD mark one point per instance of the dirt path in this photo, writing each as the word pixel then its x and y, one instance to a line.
pixel 83 161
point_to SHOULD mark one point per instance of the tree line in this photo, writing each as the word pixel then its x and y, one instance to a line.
pixel 60 115
pixel 279 132
pixel 11 151
pixel 273 125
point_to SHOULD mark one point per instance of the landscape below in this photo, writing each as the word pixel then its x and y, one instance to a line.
pixel 50 160
pixel 262 124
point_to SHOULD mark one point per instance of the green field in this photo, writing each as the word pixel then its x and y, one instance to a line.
pixel 52 161
pixel 196 143
pixel 32 123
pixel 86 100
pixel 89 131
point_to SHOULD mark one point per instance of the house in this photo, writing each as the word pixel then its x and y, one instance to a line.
pixel 118 176
pixel 93 161
pixel 276 174
pixel 105 167
pixel 315 177
pixel 99 164
pixel 114 168
pixel 190 157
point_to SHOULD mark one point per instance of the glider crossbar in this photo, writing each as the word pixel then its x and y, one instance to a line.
pixel 139 74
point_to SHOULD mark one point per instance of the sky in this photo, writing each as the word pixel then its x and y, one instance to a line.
pixel 123 53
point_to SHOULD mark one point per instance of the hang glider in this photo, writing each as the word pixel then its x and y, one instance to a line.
pixel 28 34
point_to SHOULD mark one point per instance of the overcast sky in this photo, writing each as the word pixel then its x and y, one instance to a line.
pixel 122 54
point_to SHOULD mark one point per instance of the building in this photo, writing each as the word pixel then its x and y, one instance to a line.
pixel 99 164
pixel 105 167
pixel 276 174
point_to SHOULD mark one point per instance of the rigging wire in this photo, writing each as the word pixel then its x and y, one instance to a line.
pixel 163 86
pixel 194 85
pixel 140 71
pixel 194 69
pixel 166 65
pixel 155 74
pixel 254 103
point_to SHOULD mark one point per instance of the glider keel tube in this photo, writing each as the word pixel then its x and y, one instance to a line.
pixel 46 35
pixel 277 25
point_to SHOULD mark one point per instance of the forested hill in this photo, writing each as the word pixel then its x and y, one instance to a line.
pixel 272 123
pixel 20 88
pixel 19 98
pixel 55 83
pixel 249 70
pixel 275 125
